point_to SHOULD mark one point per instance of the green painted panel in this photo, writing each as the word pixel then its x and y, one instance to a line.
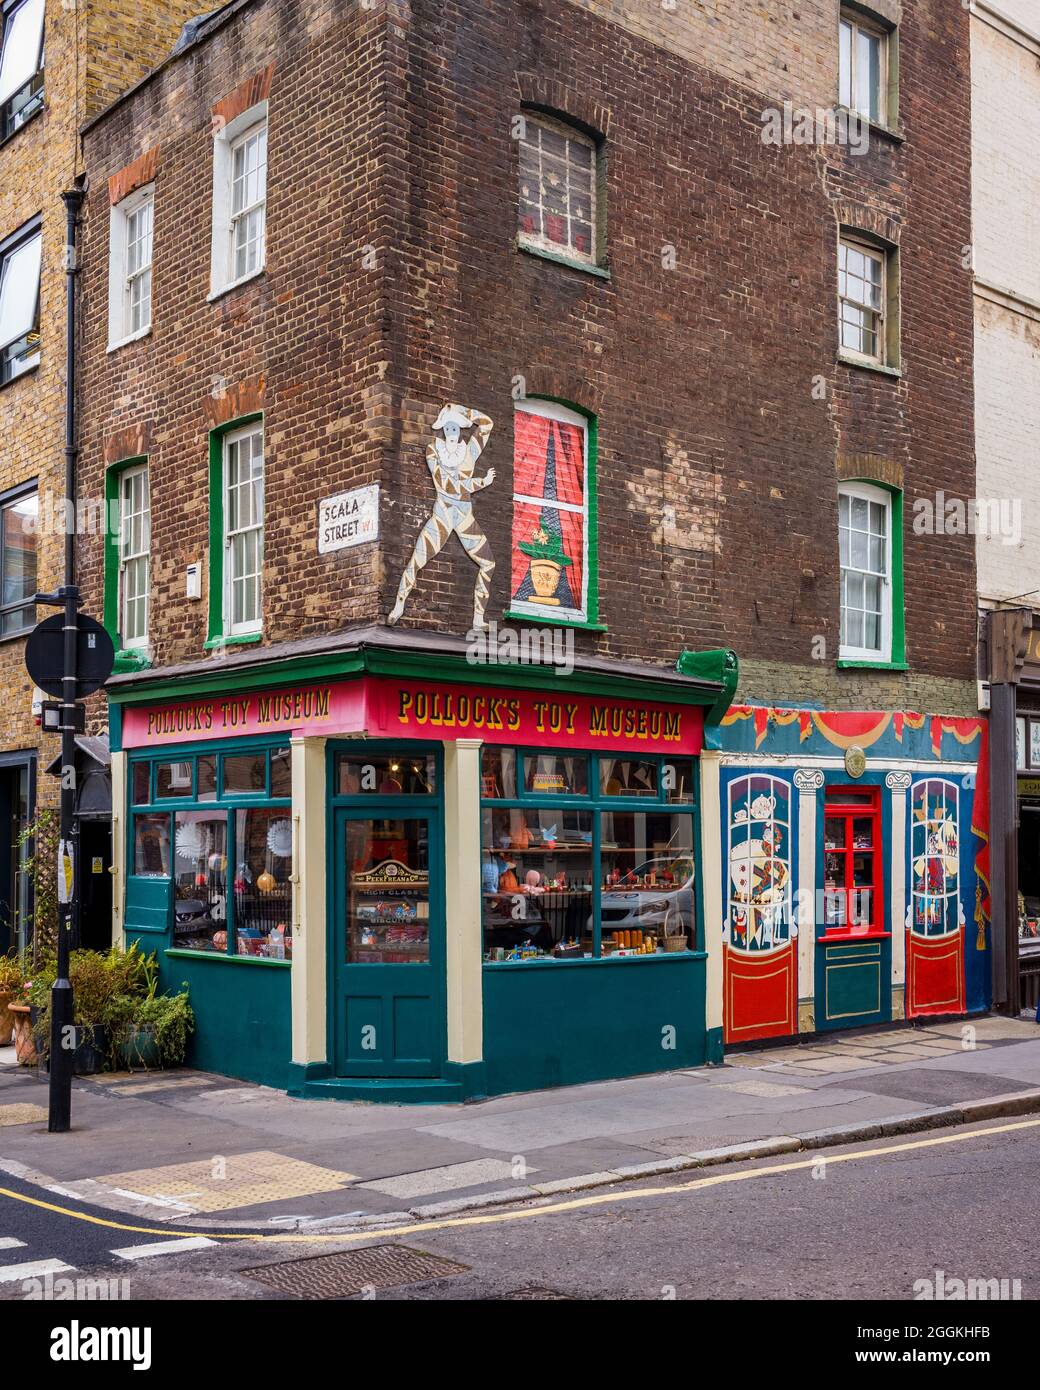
pixel 148 908
pixel 561 1024
pixel 851 984
pixel 243 1016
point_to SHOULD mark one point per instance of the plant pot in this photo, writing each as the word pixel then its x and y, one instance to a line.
pixel 24 1040
pixel 90 1052
pixel 6 1019
pixel 138 1048
pixel 545 578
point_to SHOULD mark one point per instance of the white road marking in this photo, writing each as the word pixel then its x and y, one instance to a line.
pixel 10 1243
pixel 163 1247
pixel 10 1274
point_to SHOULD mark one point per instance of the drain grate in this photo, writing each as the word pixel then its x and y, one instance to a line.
pixel 353 1271
pixel 535 1295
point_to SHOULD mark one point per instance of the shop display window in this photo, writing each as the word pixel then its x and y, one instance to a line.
pixel 646 880
pixel 386 774
pixel 230 864
pixel 564 880
pixel 852 902
pixel 556 774
pixel 172 780
pixel 142 792
pixel 200 908
pixel 261 887
pixel 498 773
pixel 152 846
pixel 281 772
pixel 245 773
pixel 206 779
pixel 935 857
pixel 388 906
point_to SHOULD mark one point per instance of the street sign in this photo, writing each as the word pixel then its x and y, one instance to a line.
pixel 45 655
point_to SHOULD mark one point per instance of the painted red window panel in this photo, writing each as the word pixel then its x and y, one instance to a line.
pixel 548 555
pixel 852 851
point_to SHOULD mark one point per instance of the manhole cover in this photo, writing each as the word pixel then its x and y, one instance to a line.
pixel 352 1271
pixel 535 1295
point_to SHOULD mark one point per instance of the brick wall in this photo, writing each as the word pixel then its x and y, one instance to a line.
pixel 393 286
pixel 36 164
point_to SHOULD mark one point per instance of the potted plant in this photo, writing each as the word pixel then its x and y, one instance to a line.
pixel 22 1026
pixel 548 561
pixel 96 978
pixel 10 991
pixel 154 1031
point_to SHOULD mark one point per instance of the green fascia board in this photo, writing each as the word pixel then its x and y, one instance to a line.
pixel 720 664
pixel 424 666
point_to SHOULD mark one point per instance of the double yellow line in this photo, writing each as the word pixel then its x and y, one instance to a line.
pixel 522 1213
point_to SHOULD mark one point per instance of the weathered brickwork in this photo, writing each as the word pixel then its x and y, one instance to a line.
pixel 94 50
pixel 393 285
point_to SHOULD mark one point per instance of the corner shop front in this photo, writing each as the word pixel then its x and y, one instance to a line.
pixel 387 886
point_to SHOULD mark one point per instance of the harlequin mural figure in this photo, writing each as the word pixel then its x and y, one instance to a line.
pixel 461 435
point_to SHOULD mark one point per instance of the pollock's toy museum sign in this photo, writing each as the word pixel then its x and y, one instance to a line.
pixel 392 709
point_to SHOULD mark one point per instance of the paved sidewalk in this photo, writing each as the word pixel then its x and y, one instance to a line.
pixel 186 1147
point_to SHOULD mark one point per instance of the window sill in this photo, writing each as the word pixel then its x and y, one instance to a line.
pixel 23 126
pixel 237 639
pixel 550 962
pixel 599 271
pixel 5 382
pixel 544 620
pixel 22 633
pixel 244 280
pixel 887 132
pixel 851 360
pixel 130 338
pixel 852 663
pixel 129 659
pixel 181 954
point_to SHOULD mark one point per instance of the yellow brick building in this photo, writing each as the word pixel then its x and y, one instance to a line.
pixel 61 61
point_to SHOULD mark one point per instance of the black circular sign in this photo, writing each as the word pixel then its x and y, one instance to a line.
pixel 45 655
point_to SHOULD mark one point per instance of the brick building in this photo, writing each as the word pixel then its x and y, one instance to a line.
pixel 693 283
pixel 93 49
pixel 1005 47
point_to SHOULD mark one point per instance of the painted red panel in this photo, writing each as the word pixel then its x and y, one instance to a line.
pixel 935 974
pixel 759 993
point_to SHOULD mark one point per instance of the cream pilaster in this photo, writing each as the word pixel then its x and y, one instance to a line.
pixel 118 867
pixel 711 887
pixel 809 781
pixel 898 783
pixel 310 878
pixel 465 954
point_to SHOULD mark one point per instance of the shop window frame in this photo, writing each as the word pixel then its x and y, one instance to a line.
pixel 834 806
pixel 926 783
pixel 595 803
pixel 225 805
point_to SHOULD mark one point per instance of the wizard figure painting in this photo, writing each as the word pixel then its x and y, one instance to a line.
pixel 460 436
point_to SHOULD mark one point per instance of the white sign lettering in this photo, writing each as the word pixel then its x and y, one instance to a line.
pixel 349 518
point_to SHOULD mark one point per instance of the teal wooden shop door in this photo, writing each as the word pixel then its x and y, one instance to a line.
pixel 388 940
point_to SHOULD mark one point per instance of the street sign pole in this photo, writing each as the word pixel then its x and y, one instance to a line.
pixel 62 1035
